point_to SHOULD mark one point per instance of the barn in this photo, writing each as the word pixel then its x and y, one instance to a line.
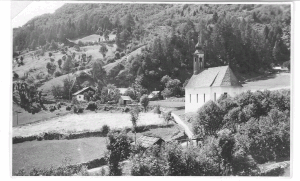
pixel 124 100
pixel 80 94
pixel 148 141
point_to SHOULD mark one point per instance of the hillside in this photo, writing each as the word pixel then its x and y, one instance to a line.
pixel 251 38
pixel 84 19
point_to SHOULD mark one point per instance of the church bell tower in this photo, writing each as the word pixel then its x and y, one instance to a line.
pixel 198 57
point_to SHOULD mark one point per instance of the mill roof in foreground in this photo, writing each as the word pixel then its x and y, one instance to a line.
pixel 214 77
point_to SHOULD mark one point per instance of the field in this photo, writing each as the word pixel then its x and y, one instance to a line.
pixel 82 122
pixel 25 117
pixel 270 82
pixel 93 38
pixel 43 154
pixel 167 104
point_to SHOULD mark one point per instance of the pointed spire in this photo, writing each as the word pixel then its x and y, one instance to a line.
pixel 199 44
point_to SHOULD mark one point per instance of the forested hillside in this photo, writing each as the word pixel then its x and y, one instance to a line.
pixel 250 38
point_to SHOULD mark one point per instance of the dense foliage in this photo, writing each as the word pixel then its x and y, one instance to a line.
pixel 118 150
pixel 259 122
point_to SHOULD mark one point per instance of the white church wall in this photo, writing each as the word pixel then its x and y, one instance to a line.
pixel 191 104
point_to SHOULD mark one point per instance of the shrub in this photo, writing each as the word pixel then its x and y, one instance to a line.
pixel 209 118
pixel 80 44
pixel 81 67
pixel 287 64
pixel 92 106
pixel 122 54
pixel 68 108
pixel 144 100
pixel 118 150
pixel 105 130
pixel 77 48
pixel 80 110
pixel 117 55
pixel 157 109
pixel 126 109
pixel 57 73
pixel 110 60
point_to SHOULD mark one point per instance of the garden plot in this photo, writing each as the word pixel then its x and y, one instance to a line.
pixel 85 122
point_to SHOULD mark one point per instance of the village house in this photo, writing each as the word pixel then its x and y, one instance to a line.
pixel 122 90
pixel 153 95
pixel 149 141
pixel 208 83
pixel 80 94
pixel 124 100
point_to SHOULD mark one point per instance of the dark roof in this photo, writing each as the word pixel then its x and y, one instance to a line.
pixel 126 98
pixel 83 90
pixel 214 77
pixel 148 141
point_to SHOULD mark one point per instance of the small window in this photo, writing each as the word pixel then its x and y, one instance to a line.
pixel 197 98
pixel 215 96
pixel 204 97
pixel 190 98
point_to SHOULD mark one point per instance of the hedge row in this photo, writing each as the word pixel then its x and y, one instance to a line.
pixel 59 136
pixel 97 133
pixel 63 171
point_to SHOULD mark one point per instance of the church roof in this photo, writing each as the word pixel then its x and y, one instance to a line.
pixel 214 77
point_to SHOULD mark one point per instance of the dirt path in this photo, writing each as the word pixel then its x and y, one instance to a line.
pixel 187 131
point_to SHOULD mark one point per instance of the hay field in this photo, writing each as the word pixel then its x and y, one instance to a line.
pixel 84 122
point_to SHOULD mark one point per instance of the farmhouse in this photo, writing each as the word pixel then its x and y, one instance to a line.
pixel 122 90
pixel 208 83
pixel 124 100
pixel 80 94
pixel 148 141
pixel 153 95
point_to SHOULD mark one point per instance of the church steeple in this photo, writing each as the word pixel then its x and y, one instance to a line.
pixel 198 57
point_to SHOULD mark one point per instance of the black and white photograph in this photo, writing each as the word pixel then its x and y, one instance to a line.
pixel 151 88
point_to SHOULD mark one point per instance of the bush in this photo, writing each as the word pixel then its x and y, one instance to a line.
pixel 105 130
pixel 118 150
pixel 122 54
pixel 144 100
pixel 287 64
pixel 157 109
pixel 57 74
pixel 68 108
pixel 80 44
pixel 81 67
pixel 92 106
pixel 110 60
pixel 117 55
pixel 80 110
pixel 209 118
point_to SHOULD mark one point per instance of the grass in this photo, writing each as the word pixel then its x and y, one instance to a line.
pixel 82 122
pixel 166 133
pixel 93 38
pixel 163 103
pixel 25 117
pixel 272 81
pixel 43 154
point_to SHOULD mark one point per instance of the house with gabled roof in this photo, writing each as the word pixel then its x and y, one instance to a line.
pixel 80 94
pixel 208 83
pixel 148 141
pixel 124 100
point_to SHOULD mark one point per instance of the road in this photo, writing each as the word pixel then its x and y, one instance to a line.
pixel 187 131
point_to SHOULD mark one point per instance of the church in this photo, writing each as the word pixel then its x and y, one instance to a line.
pixel 208 83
